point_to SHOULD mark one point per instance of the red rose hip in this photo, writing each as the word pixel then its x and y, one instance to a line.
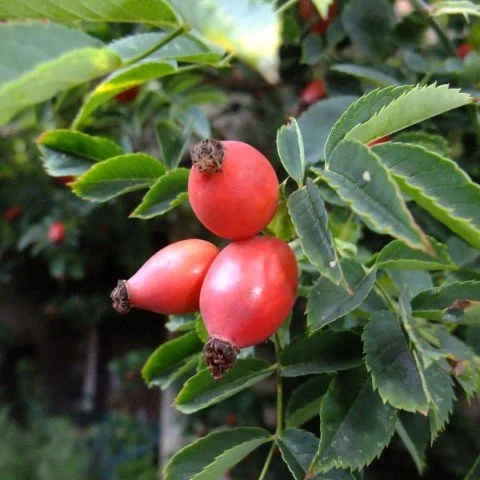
pixel 232 188
pixel 463 50
pixel 56 232
pixel 314 91
pixel 309 14
pixel 248 292
pixel 128 95
pixel 170 281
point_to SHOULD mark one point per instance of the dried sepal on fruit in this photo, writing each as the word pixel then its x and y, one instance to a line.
pixel 169 282
pixel 232 188
pixel 248 292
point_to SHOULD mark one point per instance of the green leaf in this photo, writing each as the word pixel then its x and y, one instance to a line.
pixel 65 152
pixel 440 386
pixel 471 67
pixel 322 6
pixel 414 106
pixel 202 390
pixel 250 28
pixel 173 141
pixel 298 448
pixel 180 323
pixel 397 255
pixel 321 352
pixel 436 381
pixel 368 27
pixel 327 301
pixel 440 298
pixel 355 424
pixel 367 74
pixel 413 430
pixel 316 123
pixel 201 329
pixel 429 141
pixel 466 364
pixel 360 179
pixel 405 310
pixel 437 184
pixel 204 94
pixel 313 49
pixel 169 357
pixel 304 402
pixel 168 192
pixel 290 150
pixel 186 48
pixel 310 218
pixel 281 224
pixel 158 12
pixel 415 280
pixel 210 457
pixel 454 7
pixel 53 58
pixel 392 365
pixel 360 112
pixel 432 65
pixel 118 175
pixel 123 79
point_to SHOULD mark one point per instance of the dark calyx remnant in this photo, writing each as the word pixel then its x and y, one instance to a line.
pixel 119 297
pixel 207 156
pixel 219 356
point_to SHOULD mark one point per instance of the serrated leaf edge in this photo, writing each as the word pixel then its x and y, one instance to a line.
pixel 375 384
pixel 414 90
pixel 199 440
pixel 404 179
pixel 365 213
pixel 356 466
pixel 144 183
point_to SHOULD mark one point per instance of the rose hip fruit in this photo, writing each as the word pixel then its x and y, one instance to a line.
pixel 12 213
pixel 248 292
pixel 309 14
pixel 232 188
pixel 313 91
pixel 128 95
pixel 169 282
pixel 463 50
pixel 56 232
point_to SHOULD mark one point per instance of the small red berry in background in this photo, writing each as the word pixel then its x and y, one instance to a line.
pixel 309 14
pixel 378 141
pixel 233 189
pixel 65 179
pixel 312 92
pixel 128 95
pixel 231 420
pixel 248 292
pixel 463 50
pixel 56 232
pixel 170 281
pixel 12 213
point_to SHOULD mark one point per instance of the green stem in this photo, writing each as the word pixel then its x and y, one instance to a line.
pixel 267 462
pixel 286 6
pixel 279 428
pixel 162 42
pixel 346 226
pixel 279 387
pixel 225 62
pixel 388 299
pixel 424 9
